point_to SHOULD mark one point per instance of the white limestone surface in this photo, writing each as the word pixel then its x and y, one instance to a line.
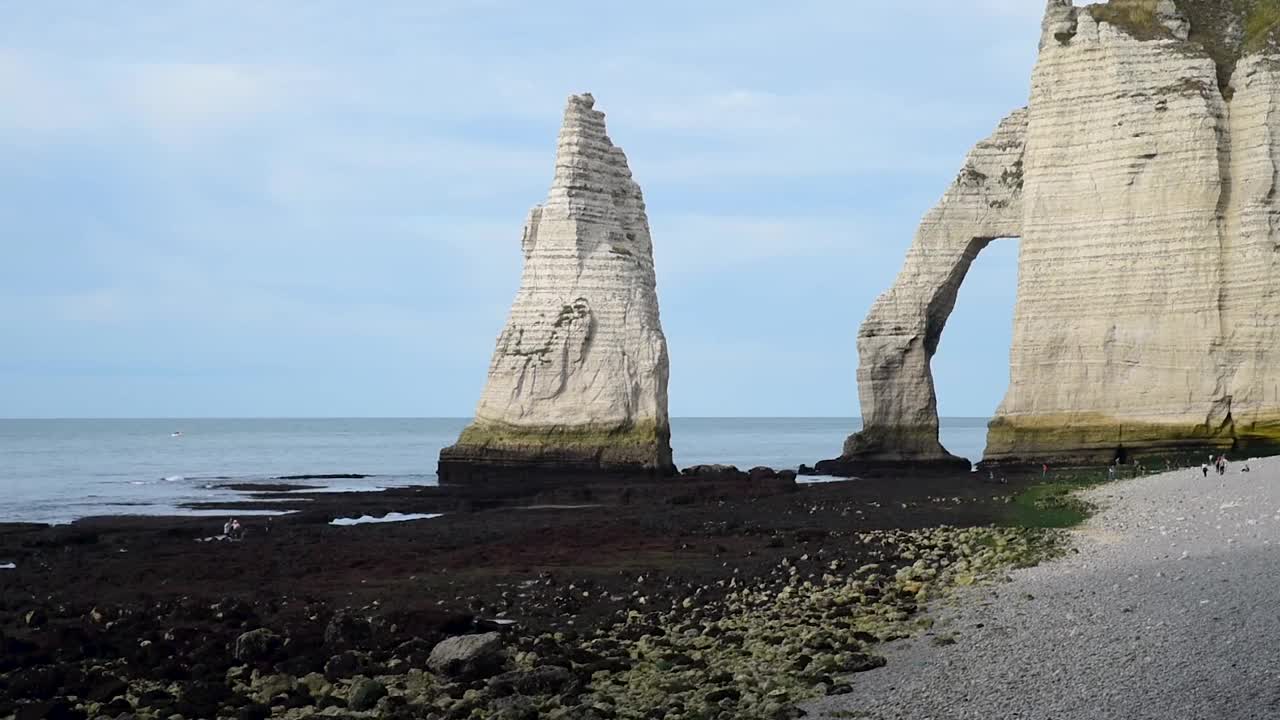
pixel 1146 316
pixel 579 374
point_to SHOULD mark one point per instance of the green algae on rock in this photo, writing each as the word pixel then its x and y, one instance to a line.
pixel 751 653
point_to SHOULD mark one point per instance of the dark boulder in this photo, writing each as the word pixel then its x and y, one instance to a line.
pixel 546 680
pixel 345 665
pixel 49 710
pixel 155 699
pixel 36 683
pixel 714 472
pixel 862 662
pixel 108 688
pixel 257 646
pixel 415 652
pixel 254 711
pixel 116 708
pixel 235 611
pixel 365 695
pixel 348 631
pixel 719 695
pixel 205 698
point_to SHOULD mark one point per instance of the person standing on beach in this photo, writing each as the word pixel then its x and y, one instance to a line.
pixel 1204 467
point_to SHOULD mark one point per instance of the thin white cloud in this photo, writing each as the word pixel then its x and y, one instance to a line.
pixel 50 95
pixel 35 101
pixel 699 243
pixel 185 98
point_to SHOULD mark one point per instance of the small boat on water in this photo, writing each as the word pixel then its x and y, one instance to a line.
pixel 176 433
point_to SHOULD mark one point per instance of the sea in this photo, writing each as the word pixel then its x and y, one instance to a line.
pixel 57 471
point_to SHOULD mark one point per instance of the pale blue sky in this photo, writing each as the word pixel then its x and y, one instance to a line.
pixel 314 208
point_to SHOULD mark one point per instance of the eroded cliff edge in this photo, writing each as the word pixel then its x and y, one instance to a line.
pixel 578 380
pixel 1146 318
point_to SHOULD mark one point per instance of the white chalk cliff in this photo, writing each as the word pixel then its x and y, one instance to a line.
pixel 578 381
pixel 1141 180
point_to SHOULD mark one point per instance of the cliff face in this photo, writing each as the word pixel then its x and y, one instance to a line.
pixel 578 381
pixel 1146 316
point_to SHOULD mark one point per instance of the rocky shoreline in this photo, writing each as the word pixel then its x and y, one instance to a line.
pixel 733 598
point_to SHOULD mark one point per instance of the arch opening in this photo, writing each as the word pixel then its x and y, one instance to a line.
pixel 970 366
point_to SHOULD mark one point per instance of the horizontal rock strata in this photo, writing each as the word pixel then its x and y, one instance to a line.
pixel 901 334
pixel 1146 314
pixel 578 381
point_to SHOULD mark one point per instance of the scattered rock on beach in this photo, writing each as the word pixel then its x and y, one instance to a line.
pixel 269 687
pixel 365 694
pixel 861 662
pixel 348 631
pixel 467 656
pixel 344 665
pixel 546 680
pixel 254 711
pixel 49 710
pixel 107 689
pixel 257 645
pixel 719 472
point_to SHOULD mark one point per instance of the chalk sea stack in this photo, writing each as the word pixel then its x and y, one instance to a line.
pixel 1142 182
pixel 578 381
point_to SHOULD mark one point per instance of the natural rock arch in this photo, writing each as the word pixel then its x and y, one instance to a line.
pixel 1142 182
pixel 900 335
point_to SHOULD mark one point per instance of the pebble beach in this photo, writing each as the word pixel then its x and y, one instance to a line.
pixel 1165 607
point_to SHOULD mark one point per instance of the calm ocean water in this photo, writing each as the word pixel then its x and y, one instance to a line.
pixel 59 470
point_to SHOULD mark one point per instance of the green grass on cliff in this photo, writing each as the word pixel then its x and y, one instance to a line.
pixel 1261 25
pixel 1136 17
pixel 1225 30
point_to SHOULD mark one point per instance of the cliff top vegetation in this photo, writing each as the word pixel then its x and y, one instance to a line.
pixel 1226 29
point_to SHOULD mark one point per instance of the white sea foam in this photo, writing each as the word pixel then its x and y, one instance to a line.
pixel 388 518
pixel 820 479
